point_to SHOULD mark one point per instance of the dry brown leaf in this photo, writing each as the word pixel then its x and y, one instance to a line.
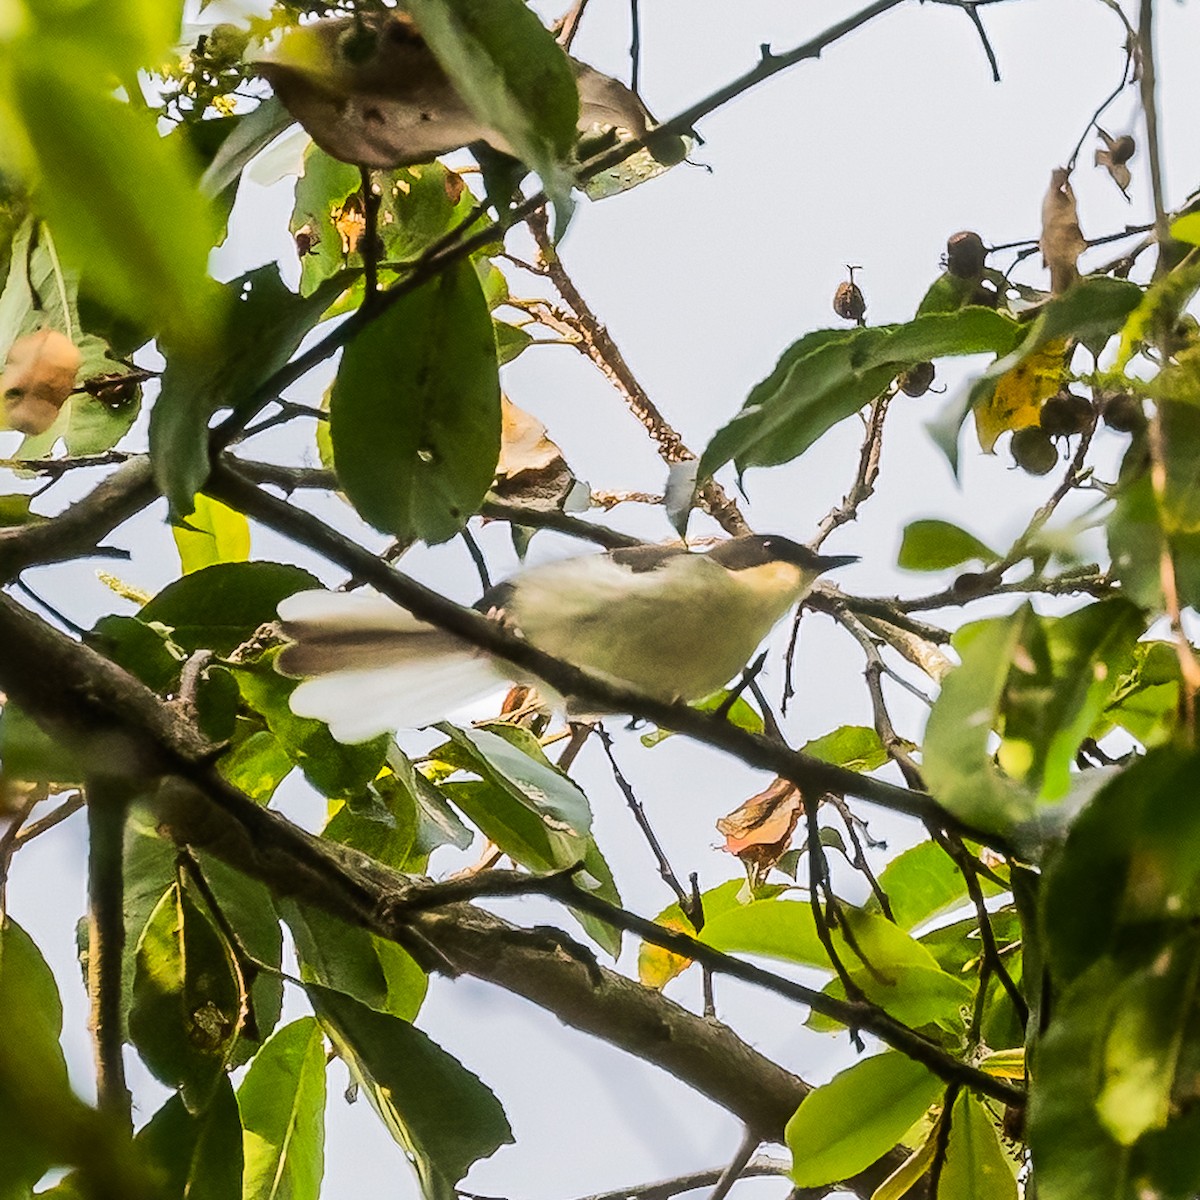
pixel 1062 240
pixel 759 831
pixel 531 471
pixel 39 376
pixel 1017 400
pixel 369 91
pixel 1116 153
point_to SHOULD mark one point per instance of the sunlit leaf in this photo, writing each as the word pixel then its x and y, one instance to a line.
pixel 976 1167
pixel 858 1116
pixel 932 545
pixel 213 533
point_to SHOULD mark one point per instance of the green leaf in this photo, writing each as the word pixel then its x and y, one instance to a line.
pixel 740 714
pixel 219 607
pixel 418 205
pixel 902 975
pixel 976 1167
pixel 184 1015
pixel 922 883
pixel 334 954
pixel 264 324
pixel 33 1072
pixel 844 1126
pixel 656 966
pixel 1041 682
pixel 1151 1038
pixel 1187 228
pixel 444 1117
pixel 214 533
pixel 536 785
pixel 199 1156
pixel 1131 861
pixel 335 769
pixel 30 755
pixel 415 410
pixel 385 828
pixel 14 510
pixel 1146 701
pixel 932 545
pixel 257 765
pixel 511 340
pixel 830 374
pixel 282 1105
pixel 1138 528
pixel 143 249
pixel 856 747
pixel 514 77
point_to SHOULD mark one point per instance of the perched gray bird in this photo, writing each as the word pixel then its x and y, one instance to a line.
pixel 667 622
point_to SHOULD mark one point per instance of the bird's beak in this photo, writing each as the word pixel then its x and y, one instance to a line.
pixel 830 562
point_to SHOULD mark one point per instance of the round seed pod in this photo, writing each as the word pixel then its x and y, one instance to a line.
pixel 1122 412
pixel 1066 414
pixel 917 379
pixel 965 254
pixel 849 302
pixel 1033 451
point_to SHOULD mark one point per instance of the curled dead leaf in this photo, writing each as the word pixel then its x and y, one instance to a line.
pixel 759 831
pixel 1113 158
pixel 532 471
pixel 1062 240
pixel 370 92
pixel 39 376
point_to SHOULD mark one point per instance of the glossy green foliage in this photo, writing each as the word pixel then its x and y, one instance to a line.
pixel 829 375
pixel 417 206
pixel 415 411
pixel 976 1167
pixel 933 545
pixel 860 1114
pixel 445 1117
pixel 529 809
pixel 282 1107
pixel 263 324
pixel 196 1156
pixel 184 1015
pixel 1114 1101
pixel 1041 683
pixel 514 77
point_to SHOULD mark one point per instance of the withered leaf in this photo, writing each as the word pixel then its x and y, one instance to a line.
pixel 1062 240
pixel 1113 158
pixel 39 376
pixel 370 92
pixel 759 831
pixel 532 471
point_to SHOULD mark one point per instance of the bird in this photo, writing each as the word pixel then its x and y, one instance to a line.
pixel 666 621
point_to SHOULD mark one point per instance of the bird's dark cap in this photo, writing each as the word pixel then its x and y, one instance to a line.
pixel 756 550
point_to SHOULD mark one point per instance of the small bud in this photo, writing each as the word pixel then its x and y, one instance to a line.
pixel 307 239
pixel 1122 150
pixel 1122 412
pixel 970 584
pixel 984 296
pixel 1033 451
pixel 848 301
pixel 965 254
pixel 917 379
pixel 1066 414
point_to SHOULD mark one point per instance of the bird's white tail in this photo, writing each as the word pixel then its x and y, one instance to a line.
pixel 370 667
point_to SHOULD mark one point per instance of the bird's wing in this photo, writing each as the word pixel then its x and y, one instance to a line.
pixel 370 667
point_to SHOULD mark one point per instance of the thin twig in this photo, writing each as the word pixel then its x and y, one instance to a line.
pixel 745 1152
pixel 368 242
pixel 665 1189
pixel 1129 47
pixel 665 870
pixel 596 343
pixel 977 21
pixel 863 487
pixel 476 557
pixel 635 48
pixel 941 1145
pixel 10 839
pixel 68 808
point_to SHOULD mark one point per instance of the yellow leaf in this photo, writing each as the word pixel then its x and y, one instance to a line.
pixel 656 966
pixel 905 1177
pixel 214 533
pixel 1017 400
pixel 1005 1064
